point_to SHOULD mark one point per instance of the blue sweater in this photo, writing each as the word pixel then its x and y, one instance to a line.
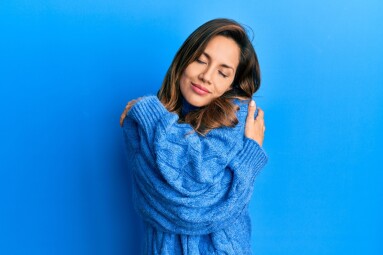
pixel 192 191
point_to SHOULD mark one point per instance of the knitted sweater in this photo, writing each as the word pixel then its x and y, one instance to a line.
pixel 192 191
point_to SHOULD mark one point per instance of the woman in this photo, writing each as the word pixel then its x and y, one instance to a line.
pixel 195 148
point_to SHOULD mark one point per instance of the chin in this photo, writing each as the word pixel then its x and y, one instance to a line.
pixel 197 102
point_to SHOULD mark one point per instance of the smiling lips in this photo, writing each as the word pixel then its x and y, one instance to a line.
pixel 199 89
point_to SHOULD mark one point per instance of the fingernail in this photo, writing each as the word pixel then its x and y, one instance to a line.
pixel 252 103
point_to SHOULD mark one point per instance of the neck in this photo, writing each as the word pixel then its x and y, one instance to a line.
pixel 187 107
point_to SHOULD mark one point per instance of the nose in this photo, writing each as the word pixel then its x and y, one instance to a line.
pixel 206 75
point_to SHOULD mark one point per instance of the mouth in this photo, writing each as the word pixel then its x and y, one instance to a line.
pixel 199 89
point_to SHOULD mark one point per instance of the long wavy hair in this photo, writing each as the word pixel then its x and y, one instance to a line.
pixel 220 112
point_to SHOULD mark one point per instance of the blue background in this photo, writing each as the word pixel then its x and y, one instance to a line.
pixel 67 69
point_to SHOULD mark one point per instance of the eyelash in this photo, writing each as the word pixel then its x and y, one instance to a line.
pixel 201 62
pixel 223 75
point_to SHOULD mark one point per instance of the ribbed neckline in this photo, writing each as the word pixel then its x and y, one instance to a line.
pixel 186 107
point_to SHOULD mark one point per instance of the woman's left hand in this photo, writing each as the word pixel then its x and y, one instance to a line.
pixel 127 109
pixel 255 128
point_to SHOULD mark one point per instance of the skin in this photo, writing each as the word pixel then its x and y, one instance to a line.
pixel 214 71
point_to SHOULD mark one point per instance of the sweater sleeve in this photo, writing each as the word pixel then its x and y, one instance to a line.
pixel 189 184
pixel 177 146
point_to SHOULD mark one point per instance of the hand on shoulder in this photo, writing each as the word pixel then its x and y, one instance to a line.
pixel 128 106
pixel 255 126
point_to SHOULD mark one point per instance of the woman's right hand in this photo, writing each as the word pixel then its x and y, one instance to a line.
pixel 255 127
pixel 127 109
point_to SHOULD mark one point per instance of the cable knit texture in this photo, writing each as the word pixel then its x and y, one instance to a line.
pixel 192 191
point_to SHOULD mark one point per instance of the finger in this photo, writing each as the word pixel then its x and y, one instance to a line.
pixel 128 108
pixel 261 114
pixel 121 121
pixel 129 103
pixel 122 117
pixel 251 110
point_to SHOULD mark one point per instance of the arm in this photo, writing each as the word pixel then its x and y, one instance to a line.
pixel 170 194
pixel 213 208
pixel 171 141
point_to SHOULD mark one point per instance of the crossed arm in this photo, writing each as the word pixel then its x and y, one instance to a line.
pixel 254 127
pixel 198 183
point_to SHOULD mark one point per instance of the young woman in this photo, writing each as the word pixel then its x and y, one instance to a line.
pixel 195 148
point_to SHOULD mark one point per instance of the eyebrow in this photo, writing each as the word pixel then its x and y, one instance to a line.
pixel 223 65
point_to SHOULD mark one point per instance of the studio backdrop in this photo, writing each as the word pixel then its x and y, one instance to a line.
pixel 67 69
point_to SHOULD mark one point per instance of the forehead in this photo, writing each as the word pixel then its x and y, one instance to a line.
pixel 223 50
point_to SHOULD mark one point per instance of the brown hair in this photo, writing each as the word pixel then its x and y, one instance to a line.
pixel 221 111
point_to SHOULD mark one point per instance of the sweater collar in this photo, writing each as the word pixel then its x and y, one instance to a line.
pixel 186 107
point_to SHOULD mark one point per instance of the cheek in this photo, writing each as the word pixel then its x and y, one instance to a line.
pixel 183 80
pixel 225 86
pixel 193 70
pixel 188 72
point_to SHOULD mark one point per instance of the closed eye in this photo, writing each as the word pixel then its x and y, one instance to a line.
pixel 200 61
pixel 222 74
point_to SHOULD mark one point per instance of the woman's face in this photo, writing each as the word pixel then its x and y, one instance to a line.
pixel 212 73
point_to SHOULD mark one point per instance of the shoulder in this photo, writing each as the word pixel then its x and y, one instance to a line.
pixel 147 104
pixel 241 116
pixel 243 107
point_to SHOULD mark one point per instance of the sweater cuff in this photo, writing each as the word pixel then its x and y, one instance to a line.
pixel 252 155
pixel 147 111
